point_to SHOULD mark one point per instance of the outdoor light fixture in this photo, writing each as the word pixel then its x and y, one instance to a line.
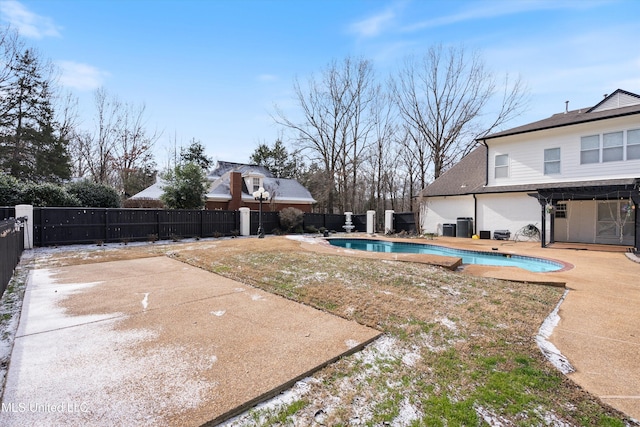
pixel 261 196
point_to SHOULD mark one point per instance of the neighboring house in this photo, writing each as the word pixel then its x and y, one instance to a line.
pixel 575 176
pixel 231 186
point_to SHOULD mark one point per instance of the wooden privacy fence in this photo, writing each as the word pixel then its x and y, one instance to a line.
pixel 11 247
pixel 64 226
pixel 77 225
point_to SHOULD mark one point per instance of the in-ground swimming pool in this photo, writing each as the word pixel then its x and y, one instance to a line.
pixel 538 265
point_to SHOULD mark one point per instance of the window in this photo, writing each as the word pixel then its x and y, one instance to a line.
pixel 551 161
pixel 589 149
pixel 502 166
pixel 633 144
pixel 612 149
pixel 256 184
pixel 561 210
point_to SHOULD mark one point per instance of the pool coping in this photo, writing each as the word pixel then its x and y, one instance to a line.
pixel 565 266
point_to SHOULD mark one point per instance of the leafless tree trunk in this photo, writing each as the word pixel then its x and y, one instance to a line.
pixel 336 124
pixel 442 99
pixel 119 146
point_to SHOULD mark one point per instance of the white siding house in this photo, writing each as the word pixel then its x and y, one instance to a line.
pixel 575 176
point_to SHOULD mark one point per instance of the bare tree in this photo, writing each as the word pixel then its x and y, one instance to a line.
pixel 336 124
pixel 443 97
pixel 118 151
pixel 132 155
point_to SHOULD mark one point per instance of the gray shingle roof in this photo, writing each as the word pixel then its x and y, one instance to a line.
pixel 583 115
pixel 469 175
pixel 219 188
pixel 465 177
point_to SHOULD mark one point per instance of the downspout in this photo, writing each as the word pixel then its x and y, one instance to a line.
pixel 475 214
pixel 486 170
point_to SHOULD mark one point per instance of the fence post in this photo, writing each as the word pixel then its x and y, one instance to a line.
pixel 26 211
pixel 388 222
pixel 371 222
pixel 245 221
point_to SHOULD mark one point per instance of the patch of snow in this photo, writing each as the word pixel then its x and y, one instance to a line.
pixel 145 301
pixel 407 414
pixel 64 385
pixel 410 359
pixel 257 297
pixel 351 343
pixel 219 313
pixel 285 398
pixel 303 239
pixel 41 304
pixel 447 323
pixel 550 351
pixel 492 419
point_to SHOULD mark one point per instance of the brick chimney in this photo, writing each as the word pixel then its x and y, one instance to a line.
pixel 235 185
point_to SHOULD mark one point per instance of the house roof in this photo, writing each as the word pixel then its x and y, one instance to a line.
pixel 282 190
pixel 223 167
pixel 469 175
pixel 620 103
pixel 465 177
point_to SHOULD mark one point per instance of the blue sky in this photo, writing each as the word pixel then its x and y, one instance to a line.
pixel 213 70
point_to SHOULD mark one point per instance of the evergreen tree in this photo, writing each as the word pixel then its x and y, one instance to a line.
pixel 186 187
pixel 276 159
pixel 195 154
pixel 30 147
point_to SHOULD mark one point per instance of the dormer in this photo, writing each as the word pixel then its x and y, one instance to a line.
pixel 253 180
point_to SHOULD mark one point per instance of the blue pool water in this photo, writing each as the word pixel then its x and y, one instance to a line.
pixel 537 265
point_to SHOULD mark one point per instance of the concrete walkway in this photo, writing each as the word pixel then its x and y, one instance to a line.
pixel 154 341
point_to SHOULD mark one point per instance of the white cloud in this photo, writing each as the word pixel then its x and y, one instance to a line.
pixel 27 23
pixel 81 76
pixel 492 9
pixel 373 25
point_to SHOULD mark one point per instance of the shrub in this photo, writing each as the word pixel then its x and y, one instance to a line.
pixel 11 190
pixel 94 195
pixel 291 218
pixel 48 194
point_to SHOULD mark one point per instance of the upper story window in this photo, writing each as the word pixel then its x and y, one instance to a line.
pixel 612 148
pixel 502 166
pixel 256 184
pixel 590 149
pixel 633 144
pixel 551 161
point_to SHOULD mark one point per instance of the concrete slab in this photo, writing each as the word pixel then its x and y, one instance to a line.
pixel 154 341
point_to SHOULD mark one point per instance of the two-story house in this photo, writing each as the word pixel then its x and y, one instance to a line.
pixel 575 176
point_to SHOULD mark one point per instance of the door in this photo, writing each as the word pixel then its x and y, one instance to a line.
pixel 615 222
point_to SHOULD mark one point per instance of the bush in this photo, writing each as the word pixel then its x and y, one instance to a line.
pixel 48 194
pixel 94 195
pixel 11 190
pixel 291 218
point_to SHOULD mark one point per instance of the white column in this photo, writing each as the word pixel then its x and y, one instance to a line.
pixel 245 221
pixel 388 222
pixel 371 222
pixel 26 211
